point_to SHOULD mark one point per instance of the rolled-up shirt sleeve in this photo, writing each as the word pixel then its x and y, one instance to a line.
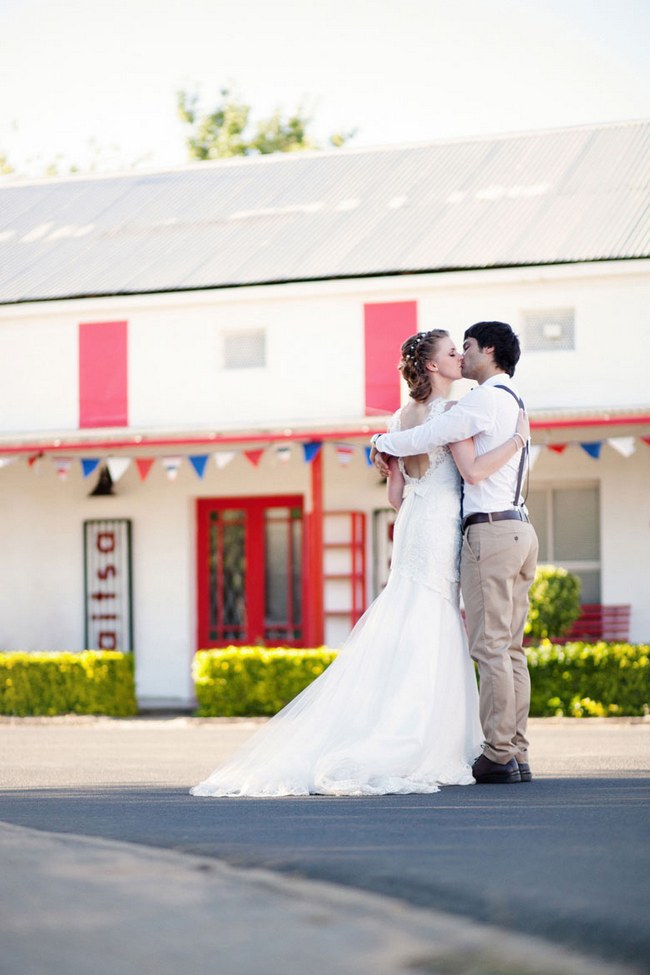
pixel 473 414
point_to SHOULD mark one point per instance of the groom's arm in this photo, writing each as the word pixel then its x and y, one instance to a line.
pixel 472 415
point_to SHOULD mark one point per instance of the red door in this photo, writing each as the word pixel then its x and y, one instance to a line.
pixel 249 574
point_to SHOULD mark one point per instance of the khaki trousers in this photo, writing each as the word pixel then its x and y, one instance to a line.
pixel 497 567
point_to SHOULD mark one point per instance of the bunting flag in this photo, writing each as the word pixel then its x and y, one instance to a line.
pixel 171 465
pixel 223 457
pixel 5 461
pixel 533 453
pixel 254 456
pixel 593 449
pixel 283 453
pixel 88 465
pixel 117 466
pixel 144 465
pixel 367 451
pixel 311 449
pixel 624 445
pixel 62 466
pixel 344 453
pixel 198 462
pixel 35 462
pixel 646 440
pixel 559 448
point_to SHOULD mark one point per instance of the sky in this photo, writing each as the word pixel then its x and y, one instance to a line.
pixel 81 73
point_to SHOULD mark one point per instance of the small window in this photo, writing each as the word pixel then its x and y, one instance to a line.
pixel 244 350
pixel 548 329
pixel 567 522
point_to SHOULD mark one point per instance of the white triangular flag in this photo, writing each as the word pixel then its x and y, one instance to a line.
pixel 533 453
pixel 223 457
pixel 5 461
pixel 283 453
pixel 62 466
pixel 625 445
pixel 171 465
pixel 117 466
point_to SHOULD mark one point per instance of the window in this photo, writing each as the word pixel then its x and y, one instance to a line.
pixel 383 522
pixel 567 522
pixel 549 329
pixel 244 350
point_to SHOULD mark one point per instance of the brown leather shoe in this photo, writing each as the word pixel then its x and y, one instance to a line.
pixel 525 772
pixel 487 772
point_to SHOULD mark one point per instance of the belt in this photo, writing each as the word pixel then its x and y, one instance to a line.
pixel 482 516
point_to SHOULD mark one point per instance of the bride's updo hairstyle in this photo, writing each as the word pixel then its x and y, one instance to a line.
pixel 416 352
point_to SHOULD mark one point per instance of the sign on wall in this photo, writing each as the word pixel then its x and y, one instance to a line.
pixel 107 582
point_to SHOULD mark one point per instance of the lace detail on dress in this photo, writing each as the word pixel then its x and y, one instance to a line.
pixel 427 535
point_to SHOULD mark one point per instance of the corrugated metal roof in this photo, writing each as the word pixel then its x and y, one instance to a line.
pixel 565 195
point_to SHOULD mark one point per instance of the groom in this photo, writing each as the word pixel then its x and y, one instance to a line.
pixel 499 552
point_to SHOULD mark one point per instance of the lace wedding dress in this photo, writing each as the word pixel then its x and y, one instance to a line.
pixel 397 710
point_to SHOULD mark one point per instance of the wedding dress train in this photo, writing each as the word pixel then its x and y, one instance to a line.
pixel 397 710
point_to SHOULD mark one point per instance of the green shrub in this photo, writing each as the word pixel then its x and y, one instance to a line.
pixel 242 681
pixel 575 679
pixel 554 603
pixel 581 679
pixel 91 682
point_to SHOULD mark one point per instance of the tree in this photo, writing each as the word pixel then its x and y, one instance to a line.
pixel 228 130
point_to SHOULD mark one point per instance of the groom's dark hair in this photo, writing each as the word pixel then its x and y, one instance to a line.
pixel 499 336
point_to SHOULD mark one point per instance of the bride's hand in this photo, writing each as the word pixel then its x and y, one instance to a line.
pixel 523 425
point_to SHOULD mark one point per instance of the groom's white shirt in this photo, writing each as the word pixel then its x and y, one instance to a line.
pixel 488 415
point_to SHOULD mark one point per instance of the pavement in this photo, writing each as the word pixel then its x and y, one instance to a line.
pixel 108 865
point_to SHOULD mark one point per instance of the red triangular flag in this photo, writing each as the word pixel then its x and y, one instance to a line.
pixel 254 456
pixel 144 465
pixel 646 440
pixel 559 448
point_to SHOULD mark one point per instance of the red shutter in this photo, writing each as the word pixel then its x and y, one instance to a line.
pixel 103 396
pixel 387 325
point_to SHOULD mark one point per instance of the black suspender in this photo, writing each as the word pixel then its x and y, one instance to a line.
pixel 524 452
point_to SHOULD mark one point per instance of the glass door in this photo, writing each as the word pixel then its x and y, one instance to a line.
pixel 250 571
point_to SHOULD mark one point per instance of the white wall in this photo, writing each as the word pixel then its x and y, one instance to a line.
pixel 315 346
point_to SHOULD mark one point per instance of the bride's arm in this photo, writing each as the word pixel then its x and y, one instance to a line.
pixel 475 468
pixel 395 484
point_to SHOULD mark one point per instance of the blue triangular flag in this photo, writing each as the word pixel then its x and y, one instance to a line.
pixel 311 449
pixel 593 449
pixel 88 465
pixel 367 451
pixel 198 462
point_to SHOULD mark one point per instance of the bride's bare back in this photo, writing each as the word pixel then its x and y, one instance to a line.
pixel 412 415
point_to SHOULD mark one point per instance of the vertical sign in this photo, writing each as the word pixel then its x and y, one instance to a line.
pixel 107 578
pixel 386 326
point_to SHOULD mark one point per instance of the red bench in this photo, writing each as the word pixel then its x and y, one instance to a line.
pixel 597 622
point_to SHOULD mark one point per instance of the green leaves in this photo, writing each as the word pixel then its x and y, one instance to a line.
pixel 91 682
pixel 227 131
pixel 244 681
pixel 554 602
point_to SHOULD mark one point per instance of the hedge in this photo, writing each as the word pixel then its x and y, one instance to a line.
pixel 90 682
pixel 573 679
pixel 243 681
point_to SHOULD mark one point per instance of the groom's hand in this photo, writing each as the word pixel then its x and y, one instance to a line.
pixel 380 461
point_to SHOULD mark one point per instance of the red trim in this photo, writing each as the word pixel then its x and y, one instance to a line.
pixel 137 442
pixel 103 394
pixel 314 562
pixel 386 326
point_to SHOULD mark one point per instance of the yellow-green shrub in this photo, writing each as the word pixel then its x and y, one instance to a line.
pixel 241 681
pixel 589 679
pixel 575 679
pixel 90 682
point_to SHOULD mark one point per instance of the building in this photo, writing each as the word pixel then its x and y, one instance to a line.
pixel 223 339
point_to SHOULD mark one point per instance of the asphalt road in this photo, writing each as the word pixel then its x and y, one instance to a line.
pixel 565 857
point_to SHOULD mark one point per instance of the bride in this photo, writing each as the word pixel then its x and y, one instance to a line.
pixel 397 710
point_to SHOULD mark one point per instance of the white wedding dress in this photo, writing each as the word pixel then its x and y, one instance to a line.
pixel 397 710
